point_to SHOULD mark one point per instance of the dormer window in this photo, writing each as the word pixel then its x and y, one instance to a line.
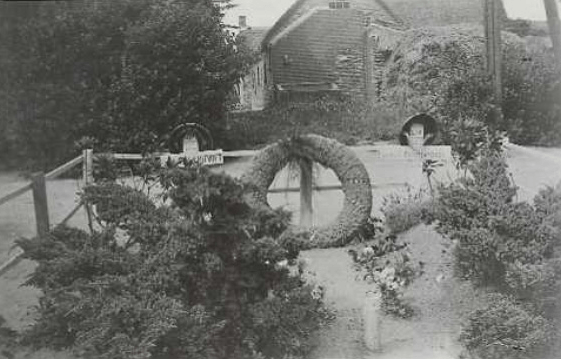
pixel 339 5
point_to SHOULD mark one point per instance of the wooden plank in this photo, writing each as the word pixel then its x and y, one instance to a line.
pixel 88 180
pixel 72 213
pixel 306 193
pixel 12 261
pixel 383 149
pixel 241 153
pixel 65 167
pixel 87 168
pixel 334 187
pixel 204 158
pixel 18 192
pixel 40 204
pixel 297 189
pixel 128 156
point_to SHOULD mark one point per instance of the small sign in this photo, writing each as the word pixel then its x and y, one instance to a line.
pixel 417 130
pixel 443 153
pixel 204 158
pixel 190 144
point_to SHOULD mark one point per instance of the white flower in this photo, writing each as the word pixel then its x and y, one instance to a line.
pixel 207 217
pixel 388 272
pixel 392 286
pixel 282 264
pixel 368 251
pixel 317 292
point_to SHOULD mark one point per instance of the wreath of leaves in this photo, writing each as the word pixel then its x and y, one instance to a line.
pixel 329 153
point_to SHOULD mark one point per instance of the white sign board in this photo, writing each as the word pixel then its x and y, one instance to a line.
pixel 190 145
pixel 417 130
pixel 443 153
pixel 204 158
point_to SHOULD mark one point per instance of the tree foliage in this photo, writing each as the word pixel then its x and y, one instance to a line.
pixel 123 73
pixel 203 276
pixel 441 71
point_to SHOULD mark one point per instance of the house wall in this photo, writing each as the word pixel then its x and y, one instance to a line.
pixel 252 89
pixel 301 7
pixel 326 47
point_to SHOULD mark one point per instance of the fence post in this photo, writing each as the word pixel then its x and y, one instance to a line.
pixel 306 210
pixel 87 174
pixel 88 166
pixel 40 204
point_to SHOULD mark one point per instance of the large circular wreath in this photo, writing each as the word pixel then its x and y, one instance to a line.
pixel 329 153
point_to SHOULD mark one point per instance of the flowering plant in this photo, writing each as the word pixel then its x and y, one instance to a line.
pixel 387 264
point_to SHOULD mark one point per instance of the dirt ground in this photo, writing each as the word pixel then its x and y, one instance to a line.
pixel 439 298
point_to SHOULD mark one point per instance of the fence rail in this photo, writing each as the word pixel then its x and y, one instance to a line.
pixel 40 203
pixel 38 188
pixel 15 194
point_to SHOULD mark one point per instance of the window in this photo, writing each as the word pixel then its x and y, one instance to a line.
pixel 339 5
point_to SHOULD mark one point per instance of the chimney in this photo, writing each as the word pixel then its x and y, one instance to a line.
pixel 242 22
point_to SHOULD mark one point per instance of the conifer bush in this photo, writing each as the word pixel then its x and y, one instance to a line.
pixel 203 275
pixel 492 231
pixel 510 246
pixel 506 329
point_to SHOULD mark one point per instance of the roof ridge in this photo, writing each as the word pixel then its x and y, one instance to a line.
pixel 281 19
pixel 295 24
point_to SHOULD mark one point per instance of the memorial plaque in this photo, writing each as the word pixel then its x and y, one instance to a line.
pixel 190 145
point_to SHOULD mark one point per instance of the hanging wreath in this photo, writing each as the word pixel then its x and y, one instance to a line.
pixel 331 154
pixel 175 139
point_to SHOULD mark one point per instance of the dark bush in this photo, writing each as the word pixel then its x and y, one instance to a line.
pixel 441 71
pixel 506 329
pixel 345 119
pixel 511 246
pixel 548 205
pixel 123 73
pixel 200 277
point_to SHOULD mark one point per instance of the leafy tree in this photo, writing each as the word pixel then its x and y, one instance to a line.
pixel 441 71
pixel 123 73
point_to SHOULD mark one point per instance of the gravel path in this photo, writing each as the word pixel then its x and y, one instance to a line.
pixel 439 301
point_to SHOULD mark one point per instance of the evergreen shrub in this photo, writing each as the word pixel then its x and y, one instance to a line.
pixel 203 275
